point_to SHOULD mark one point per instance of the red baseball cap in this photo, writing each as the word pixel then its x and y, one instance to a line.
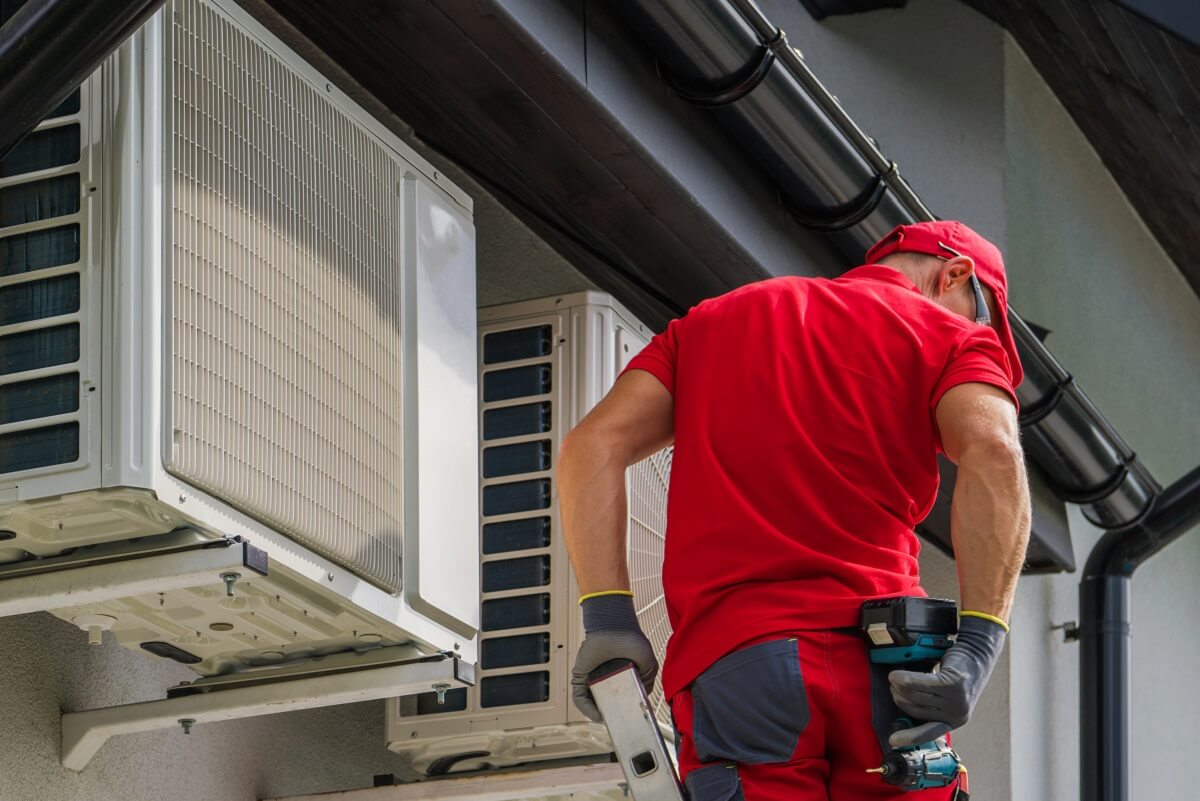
pixel 933 239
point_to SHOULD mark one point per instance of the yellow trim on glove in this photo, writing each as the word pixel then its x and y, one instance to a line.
pixel 583 598
pixel 985 616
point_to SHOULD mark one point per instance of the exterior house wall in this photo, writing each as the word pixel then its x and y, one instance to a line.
pixel 1127 325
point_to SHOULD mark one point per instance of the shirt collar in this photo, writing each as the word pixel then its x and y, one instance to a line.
pixel 880 272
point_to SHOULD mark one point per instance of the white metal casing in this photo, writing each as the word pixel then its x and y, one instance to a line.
pixel 155 216
pixel 589 338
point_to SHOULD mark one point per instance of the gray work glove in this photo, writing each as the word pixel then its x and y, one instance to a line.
pixel 611 632
pixel 945 700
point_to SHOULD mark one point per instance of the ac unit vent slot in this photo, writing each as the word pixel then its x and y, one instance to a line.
pixel 516 382
pixel 41 150
pixel 511 690
pixel 522 343
pixel 39 250
pixel 516 421
pixel 516 535
pixel 44 347
pixel 39 200
pixel 37 300
pixel 67 107
pixel 39 447
pixel 523 649
pixel 519 496
pixel 516 613
pixel 41 397
pixel 515 574
pixel 510 460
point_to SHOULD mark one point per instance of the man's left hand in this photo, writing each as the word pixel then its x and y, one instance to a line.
pixel 945 700
pixel 611 632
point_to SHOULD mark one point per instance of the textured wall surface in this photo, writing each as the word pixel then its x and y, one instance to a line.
pixel 1127 325
pixel 45 665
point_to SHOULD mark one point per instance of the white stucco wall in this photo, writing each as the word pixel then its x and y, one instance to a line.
pixel 1127 325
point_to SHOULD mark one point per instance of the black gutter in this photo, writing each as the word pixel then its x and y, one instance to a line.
pixel 46 50
pixel 727 56
pixel 1105 636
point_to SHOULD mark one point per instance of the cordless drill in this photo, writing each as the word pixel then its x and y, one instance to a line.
pixel 913 633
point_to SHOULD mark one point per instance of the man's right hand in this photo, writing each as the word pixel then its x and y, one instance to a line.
pixel 611 632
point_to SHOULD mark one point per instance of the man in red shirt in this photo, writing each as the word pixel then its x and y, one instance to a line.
pixel 806 416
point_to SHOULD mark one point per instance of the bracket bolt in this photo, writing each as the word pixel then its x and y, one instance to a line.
pixel 230 579
pixel 187 724
pixel 1070 630
pixel 440 689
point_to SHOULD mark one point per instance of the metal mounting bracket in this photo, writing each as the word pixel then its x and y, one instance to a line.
pixel 107 573
pixel 340 679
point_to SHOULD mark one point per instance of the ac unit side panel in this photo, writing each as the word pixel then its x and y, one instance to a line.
pixel 50 215
pixel 441 530
pixel 131 335
pixel 525 610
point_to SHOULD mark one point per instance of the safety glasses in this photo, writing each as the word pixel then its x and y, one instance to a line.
pixel 982 315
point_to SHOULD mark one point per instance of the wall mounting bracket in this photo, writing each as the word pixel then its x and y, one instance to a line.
pixel 330 681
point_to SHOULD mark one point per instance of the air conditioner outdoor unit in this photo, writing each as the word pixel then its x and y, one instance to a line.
pixel 543 365
pixel 232 304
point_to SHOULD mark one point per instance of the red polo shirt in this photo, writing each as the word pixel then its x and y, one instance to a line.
pixel 805 452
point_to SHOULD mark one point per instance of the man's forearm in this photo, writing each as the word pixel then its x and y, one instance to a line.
pixel 593 503
pixel 990 527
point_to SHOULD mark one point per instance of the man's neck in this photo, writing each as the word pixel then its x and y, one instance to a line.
pixel 913 270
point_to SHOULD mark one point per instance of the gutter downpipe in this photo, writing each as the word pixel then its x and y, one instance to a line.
pixel 49 47
pixel 726 55
pixel 1104 659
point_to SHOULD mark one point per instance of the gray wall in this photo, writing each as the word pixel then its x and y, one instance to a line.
pixel 1128 326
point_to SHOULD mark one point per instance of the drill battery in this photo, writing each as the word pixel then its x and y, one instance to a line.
pixel 909 630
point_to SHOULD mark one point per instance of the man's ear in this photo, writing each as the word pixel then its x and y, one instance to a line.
pixel 956 272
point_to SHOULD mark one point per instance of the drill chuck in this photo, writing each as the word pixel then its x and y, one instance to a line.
pixel 919 768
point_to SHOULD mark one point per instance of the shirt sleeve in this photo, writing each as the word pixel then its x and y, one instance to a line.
pixel 659 357
pixel 976 358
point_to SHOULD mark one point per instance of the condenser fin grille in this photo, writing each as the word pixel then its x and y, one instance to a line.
pixel 285 285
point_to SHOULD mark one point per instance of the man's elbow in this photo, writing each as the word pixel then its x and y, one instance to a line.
pixel 583 441
pixel 994 451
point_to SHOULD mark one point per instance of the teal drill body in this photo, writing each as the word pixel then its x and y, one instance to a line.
pixel 913 633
